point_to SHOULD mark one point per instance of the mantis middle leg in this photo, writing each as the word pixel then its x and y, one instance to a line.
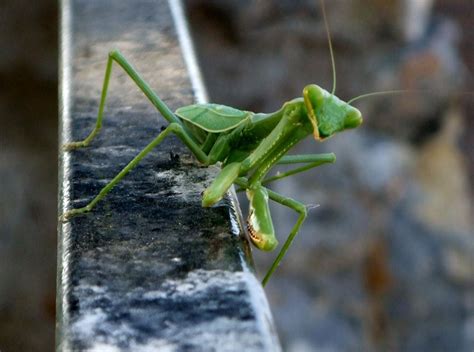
pixel 300 208
pixel 311 160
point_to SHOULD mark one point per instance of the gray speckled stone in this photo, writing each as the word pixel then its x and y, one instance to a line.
pixel 149 269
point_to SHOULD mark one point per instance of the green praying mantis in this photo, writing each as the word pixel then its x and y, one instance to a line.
pixel 246 145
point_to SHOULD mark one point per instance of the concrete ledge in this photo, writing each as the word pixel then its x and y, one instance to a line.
pixel 149 269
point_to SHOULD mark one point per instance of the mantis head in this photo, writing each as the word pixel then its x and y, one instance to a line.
pixel 327 113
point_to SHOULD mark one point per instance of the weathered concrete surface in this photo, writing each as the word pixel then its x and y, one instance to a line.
pixel 149 268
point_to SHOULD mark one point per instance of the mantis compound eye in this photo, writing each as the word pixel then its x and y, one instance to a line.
pixel 313 96
pixel 353 118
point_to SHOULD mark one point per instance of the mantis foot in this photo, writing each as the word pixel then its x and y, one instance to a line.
pixel 74 145
pixel 65 217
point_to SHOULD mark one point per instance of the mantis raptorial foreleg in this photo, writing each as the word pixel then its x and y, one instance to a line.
pixel 174 128
pixel 300 208
pixel 221 184
pixel 231 171
pixel 141 83
pixel 271 145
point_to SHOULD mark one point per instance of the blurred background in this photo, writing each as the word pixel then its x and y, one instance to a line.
pixel 28 173
pixel 385 262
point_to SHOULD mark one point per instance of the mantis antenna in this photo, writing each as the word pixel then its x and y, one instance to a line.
pixel 333 63
pixel 385 92
pixel 399 91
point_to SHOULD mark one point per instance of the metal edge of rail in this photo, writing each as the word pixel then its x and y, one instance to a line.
pixel 149 269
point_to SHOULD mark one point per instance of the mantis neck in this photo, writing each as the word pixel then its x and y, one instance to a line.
pixel 291 129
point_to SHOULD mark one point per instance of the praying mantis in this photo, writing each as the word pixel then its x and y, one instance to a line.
pixel 245 144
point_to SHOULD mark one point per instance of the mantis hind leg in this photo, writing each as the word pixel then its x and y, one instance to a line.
pixel 172 128
pixel 301 210
pixel 116 56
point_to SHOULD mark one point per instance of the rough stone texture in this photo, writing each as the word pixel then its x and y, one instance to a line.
pixel 385 263
pixel 149 268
